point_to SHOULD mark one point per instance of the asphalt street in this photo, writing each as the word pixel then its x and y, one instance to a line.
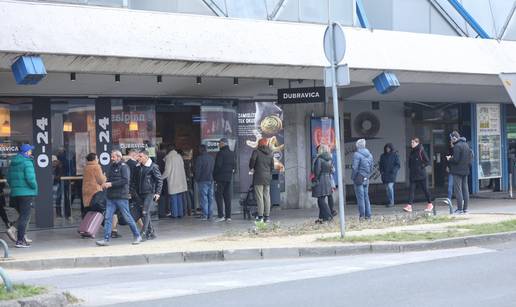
pixel 471 276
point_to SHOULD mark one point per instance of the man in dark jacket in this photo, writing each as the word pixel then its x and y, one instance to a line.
pixel 418 161
pixel 225 165
pixel 459 164
pixel 146 185
pixel 389 167
pixel 262 165
pixel 203 175
pixel 117 185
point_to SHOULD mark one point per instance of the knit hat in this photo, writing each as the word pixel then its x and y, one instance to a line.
pixel 26 147
pixel 361 143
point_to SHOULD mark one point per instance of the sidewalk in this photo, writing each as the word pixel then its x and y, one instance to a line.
pixel 193 235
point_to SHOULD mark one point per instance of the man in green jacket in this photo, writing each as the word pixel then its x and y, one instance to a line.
pixel 21 178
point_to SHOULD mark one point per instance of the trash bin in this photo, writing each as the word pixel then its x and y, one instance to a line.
pixel 275 190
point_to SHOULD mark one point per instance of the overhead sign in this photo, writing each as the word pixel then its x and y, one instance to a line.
pixel 334 39
pixel 509 82
pixel 301 95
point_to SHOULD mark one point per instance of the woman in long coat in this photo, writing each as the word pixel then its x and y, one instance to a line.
pixel 322 182
pixel 176 181
pixel 92 179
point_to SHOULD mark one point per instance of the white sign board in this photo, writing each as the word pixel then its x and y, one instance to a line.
pixel 489 141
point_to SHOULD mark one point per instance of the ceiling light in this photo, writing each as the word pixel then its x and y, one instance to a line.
pixel 72 76
pixel 159 79
pixel 198 80
pixel 117 78
pixel 271 82
pixel 235 81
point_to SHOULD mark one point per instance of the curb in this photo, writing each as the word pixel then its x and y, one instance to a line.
pixel 48 299
pixel 254 254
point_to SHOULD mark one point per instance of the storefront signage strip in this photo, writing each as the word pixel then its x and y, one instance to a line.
pixel 103 130
pixel 301 95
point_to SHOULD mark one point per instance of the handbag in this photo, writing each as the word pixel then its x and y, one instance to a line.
pixel 359 179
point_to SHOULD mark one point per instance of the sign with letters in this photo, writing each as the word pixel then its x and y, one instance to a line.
pixel 43 161
pixel 301 95
pixel 103 129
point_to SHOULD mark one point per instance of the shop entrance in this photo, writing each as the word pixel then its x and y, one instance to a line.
pixel 178 125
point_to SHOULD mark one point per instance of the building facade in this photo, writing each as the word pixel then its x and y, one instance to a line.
pixel 142 74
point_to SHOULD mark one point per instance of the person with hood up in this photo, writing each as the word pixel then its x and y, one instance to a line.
pixel 418 161
pixel 361 170
pixel 322 182
pixel 262 165
pixel 459 164
pixel 389 167
pixel 176 181
pixel 225 165
pixel 21 178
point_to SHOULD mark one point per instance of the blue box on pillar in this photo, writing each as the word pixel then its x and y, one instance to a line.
pixel 28 70
pixel 386 82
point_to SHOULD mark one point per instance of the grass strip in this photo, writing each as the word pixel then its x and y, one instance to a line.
pixel 21 291
pixel 451 232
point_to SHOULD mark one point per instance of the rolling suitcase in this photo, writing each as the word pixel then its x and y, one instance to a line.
pixel 90 224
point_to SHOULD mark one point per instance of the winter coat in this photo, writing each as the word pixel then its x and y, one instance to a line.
pixel 461 158
pixel 262 162
pixel 225 165
pixel 119 175
pixel 175 173
pixel 362 164
pixel 418 161
pixel 92 180
pixel 389 166
pixel 204 168
pixel 21 177
pixel 146 179
pixel 323 168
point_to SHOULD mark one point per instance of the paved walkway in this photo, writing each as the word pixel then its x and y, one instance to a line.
pixel 191 234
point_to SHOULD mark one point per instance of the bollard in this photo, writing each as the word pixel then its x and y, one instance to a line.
pixel 5 247
pixel 7 280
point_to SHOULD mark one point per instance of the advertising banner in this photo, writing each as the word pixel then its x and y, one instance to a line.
pixel 322 132
pixel 258 120
pixel 489 142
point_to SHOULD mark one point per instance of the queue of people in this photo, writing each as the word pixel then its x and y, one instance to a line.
pixel 137 182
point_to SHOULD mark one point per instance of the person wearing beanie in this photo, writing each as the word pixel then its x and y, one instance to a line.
pixel 459 163
pixel 21 178
pixel 362 168
pixel 418 161
pixel 389 167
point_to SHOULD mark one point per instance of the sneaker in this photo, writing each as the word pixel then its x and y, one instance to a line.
pixel 28 240
pixel 137 240
pixel 12 233
pixel 259 218
pixel 221 219
pixel 151 236
pixel 204 218
pixel 408 208
pixel 334 213
pixel 21 244
pixel 115 235
pixel 228 220
pixel 102 243
pixel 458 211
pixel 429 207
pixel 266 219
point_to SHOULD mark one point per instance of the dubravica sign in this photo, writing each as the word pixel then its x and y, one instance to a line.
pixel 301 95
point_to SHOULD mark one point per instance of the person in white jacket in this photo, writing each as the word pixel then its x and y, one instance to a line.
pixel 176 181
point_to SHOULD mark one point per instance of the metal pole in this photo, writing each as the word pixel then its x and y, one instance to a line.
pixel 336 120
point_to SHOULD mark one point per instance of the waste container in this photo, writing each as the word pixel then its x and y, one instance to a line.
pixel 275 190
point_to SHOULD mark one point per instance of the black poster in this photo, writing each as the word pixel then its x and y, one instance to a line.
pixel 301 95
pixel 259 120
pixel 42 162
pixel 103 129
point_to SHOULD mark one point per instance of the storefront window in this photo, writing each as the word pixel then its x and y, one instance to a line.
pixel 73 137
pixel 15 129
pixel 134 125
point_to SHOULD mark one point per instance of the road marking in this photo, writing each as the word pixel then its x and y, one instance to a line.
pixel 152 282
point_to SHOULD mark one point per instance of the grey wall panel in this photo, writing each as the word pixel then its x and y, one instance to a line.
pixel 379 13
pixel 411 16
pixel 313 11
pixel 481 11
pixel 290 11
pixel 343 11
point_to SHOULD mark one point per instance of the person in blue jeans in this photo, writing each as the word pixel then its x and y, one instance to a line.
pixel 117 186
pixel 362 168
pixel 389 167
pixel 203 175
